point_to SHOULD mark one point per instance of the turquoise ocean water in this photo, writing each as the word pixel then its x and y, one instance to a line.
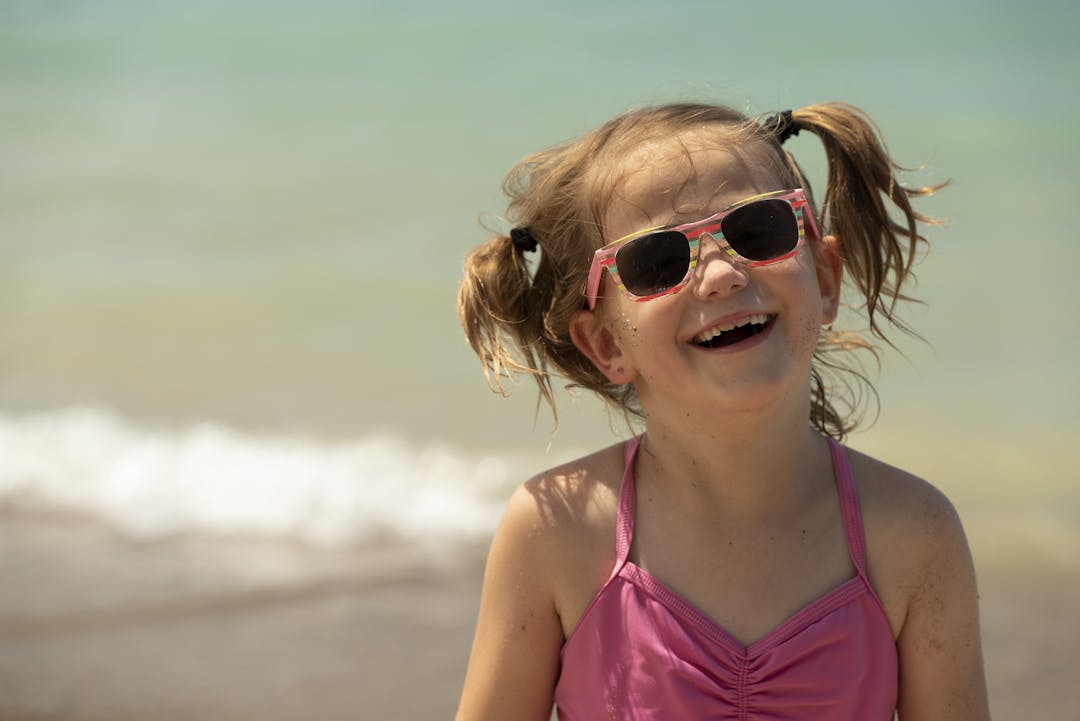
pixel 232 232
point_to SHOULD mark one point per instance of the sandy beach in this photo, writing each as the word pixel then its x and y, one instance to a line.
pixel 95 628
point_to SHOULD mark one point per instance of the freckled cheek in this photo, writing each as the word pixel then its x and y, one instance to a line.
pixel 807 341
pixel 806 325
pixel 808 330
pixel 626 331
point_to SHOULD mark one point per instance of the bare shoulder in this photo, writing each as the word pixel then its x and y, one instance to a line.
pixel 560 504
pixel 558 511
pixel 547 546
pixel 563 522
pixel 921 568
pixel 568 497
pixel 911 527
pixel 899 505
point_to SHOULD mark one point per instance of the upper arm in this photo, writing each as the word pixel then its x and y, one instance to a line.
pixel 514 662
pixel 941 668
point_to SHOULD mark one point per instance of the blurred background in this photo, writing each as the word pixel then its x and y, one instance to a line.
pixel 249 466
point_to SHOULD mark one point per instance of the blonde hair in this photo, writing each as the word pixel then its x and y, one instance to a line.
pixel 517 319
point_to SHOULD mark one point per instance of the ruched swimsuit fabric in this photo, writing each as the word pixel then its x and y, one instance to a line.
pixel 642 652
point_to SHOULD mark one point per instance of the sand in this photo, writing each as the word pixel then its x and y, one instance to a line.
pixel 95 628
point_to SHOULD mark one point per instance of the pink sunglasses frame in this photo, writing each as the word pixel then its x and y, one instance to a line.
pixel 605 256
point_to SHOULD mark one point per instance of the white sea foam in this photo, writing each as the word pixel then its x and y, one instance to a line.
pixel 214 480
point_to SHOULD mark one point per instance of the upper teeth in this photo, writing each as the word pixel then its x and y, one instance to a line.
pixel 757 319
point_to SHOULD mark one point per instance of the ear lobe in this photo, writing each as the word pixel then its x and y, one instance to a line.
pixel 830 269
pixel 598 343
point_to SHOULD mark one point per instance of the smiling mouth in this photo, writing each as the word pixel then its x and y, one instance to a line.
pixel 721 336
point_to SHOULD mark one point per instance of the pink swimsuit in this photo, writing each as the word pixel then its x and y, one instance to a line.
pixel 642 652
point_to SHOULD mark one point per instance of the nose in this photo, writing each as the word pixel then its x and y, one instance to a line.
pixel 718 271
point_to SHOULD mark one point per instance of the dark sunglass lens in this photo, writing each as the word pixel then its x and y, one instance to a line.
pixel 762 230
pixel 653 263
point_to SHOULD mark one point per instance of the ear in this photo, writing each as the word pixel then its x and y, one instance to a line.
pixel 594 338
pixel 830 269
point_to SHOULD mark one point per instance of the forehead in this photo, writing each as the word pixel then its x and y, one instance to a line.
pixel 684 178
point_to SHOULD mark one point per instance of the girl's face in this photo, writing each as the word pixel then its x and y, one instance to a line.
pixel 734 335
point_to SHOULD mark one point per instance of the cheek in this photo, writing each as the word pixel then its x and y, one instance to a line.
pixel 624 324
pixel 809 285
pixel 807 342
pixel 809 306
pixel 623 329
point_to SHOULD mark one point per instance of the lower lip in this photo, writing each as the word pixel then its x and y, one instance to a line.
pixel 745 344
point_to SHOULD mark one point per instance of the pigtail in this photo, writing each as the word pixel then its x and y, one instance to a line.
pixel 878 250
pixel 517 307
pixel 499 318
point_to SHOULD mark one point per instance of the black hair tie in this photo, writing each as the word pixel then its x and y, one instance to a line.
pixel 781 125
pixel 523 240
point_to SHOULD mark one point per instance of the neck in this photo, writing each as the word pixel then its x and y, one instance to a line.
pixel 745 465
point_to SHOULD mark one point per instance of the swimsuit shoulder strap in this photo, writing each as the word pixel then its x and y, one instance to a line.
pixel 624 524
pixel 849 505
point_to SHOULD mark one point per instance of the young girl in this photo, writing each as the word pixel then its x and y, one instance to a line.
pixel 734 561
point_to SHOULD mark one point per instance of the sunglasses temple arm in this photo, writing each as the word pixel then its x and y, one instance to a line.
pixel 810 220
pixel 592 286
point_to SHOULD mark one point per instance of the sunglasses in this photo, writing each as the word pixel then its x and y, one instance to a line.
pixel 652 263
